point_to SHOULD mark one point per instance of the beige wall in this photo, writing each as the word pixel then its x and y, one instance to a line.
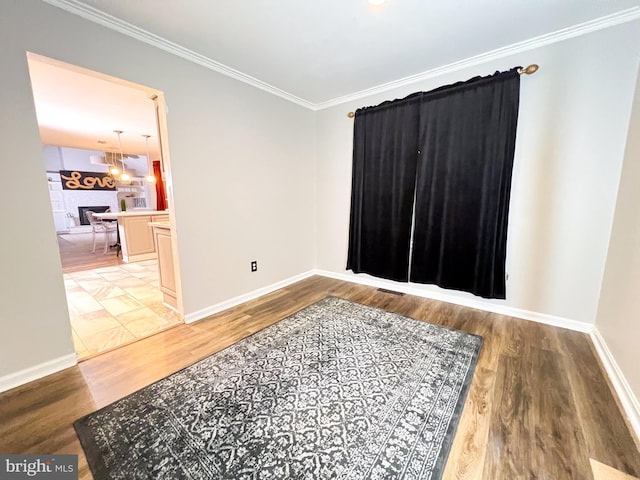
pixel 244 172
pixel 619 311
pixel 33 311
pixel 572 126
pixel 242 169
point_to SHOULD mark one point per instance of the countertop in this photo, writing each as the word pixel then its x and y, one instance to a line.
pixel 165 225
pixel 132 213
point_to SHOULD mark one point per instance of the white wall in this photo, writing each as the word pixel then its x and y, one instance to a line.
pixel 52 157
pixel 65 158
pixel 79 159
pixel 574 114
pixel 242 166
pixel 618 318
pixel 248 188
pixel 62 158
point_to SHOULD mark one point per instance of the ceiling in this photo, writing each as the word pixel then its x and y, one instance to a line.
pixel 320 51
pixel 77 108
pixel 313 53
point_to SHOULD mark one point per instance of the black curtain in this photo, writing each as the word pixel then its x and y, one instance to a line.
pixel 463 185
pixel 461 163
pixel 384 171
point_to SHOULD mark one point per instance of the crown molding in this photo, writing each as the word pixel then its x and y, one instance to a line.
pixel 114 23
pixel 97 16
pixel 623 16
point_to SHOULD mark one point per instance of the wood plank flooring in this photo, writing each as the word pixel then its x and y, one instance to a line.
pixel 539 406
pixel 75 253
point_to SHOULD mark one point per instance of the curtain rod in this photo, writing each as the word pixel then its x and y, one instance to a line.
pixel 530 70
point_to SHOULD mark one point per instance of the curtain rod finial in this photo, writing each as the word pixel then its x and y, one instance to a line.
pixel 351 114
pixel 533 68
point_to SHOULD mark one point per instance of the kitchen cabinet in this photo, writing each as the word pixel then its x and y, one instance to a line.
pixel 135 233
pixel 164 248
pixel 136 236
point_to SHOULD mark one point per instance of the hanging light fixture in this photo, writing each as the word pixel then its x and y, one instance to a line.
pixel 150 177
pixel 125 177
pixel 113 169
pixel 106 159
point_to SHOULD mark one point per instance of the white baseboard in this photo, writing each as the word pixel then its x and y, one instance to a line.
pixel 232 302
pixel 466 302
pixel 627 398
pixel 37 371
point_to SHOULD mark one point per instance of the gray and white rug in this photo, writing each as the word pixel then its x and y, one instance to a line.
pixel 337 390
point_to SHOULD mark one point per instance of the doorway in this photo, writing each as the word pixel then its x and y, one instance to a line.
pixel 103 157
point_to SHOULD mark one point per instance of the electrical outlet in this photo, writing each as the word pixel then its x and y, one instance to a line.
pixel 254 266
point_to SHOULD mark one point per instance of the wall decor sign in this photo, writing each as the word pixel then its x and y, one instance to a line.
pixel 75 180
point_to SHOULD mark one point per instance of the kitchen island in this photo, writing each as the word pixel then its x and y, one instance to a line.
pixel 135 234
pixel 164 248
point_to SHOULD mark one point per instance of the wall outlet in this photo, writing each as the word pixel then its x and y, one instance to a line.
pixel 254 266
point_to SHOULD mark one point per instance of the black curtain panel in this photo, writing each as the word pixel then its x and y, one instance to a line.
pixel 384 172
pixel 452 149
pixel 463 185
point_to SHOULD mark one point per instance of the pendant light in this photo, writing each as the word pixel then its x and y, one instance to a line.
pixel 110 159
pixel 113 169
pixel 150 177
pixel 125 176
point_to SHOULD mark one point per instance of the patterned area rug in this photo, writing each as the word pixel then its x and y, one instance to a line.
pixel 337 390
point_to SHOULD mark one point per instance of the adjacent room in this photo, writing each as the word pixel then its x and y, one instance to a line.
pixel 107 193
pixel 394 240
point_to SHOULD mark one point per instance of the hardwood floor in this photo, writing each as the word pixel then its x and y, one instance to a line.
pixel 75 253
pixel 539 406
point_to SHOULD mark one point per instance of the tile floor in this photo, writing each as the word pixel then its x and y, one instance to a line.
pixel 113 306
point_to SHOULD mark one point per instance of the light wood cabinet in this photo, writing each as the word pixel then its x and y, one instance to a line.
pixel 136 236
pixel 162 236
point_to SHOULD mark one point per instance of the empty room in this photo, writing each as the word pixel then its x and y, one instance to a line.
pixel 399 240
